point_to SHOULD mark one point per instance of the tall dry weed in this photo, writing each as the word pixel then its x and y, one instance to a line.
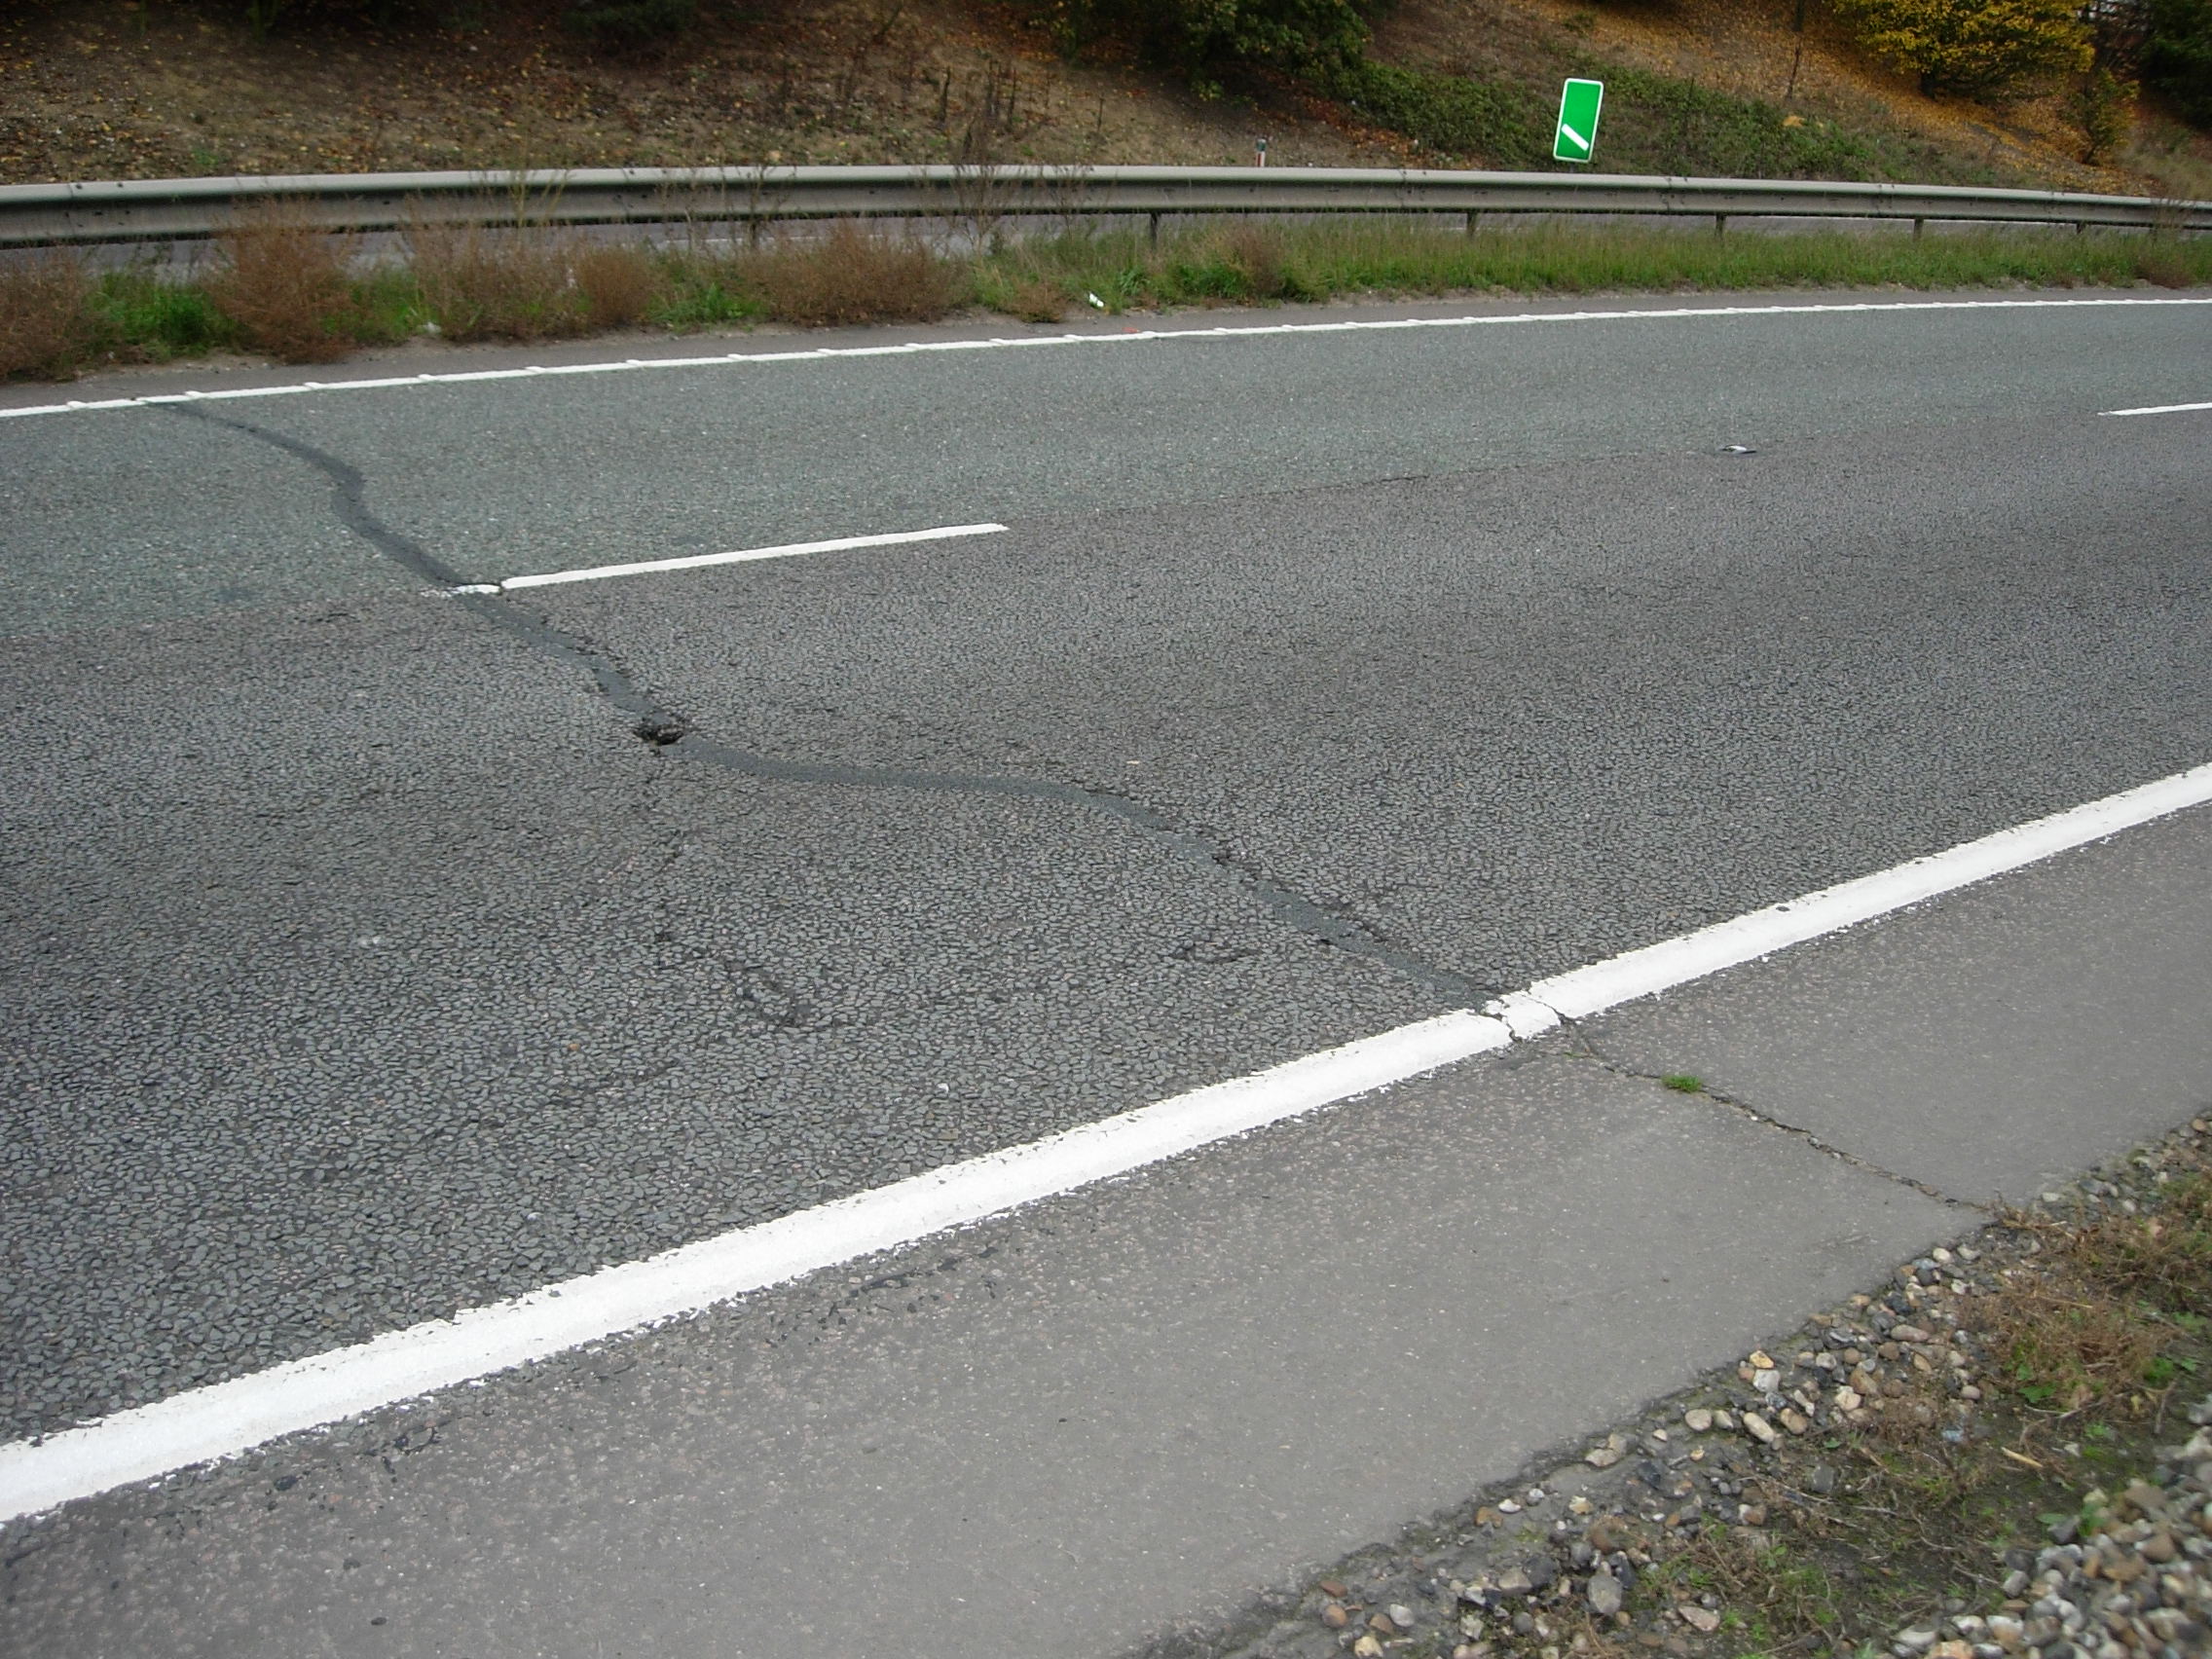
pixel 509 284
pixel 851 275
pixel 619 284
pixel 45 331
pixel 1037 299
pixel 2062 1351
pixel 2160 262
pixel 283 283
pixel 1257 250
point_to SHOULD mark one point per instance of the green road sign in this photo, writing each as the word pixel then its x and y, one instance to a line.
pixel 1577 134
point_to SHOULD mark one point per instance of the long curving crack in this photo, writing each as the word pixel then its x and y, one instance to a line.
pixel 668 733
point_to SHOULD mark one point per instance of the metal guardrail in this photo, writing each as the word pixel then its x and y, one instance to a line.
pixel 186 209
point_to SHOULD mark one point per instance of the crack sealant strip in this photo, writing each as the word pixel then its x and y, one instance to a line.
pixel 1002 343
pixel 670 732
pixel 208 1425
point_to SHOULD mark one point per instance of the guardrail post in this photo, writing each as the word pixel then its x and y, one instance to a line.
pixel 1152 232
pixel 1918 226
pixel 1474 219
pixel 1719 224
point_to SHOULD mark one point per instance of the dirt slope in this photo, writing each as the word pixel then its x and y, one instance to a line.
pixel 107 89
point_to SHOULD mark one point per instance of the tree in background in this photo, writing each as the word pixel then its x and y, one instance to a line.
pixel 624 21
pixel 2177 57
pixel 1204 37
pixel 1972 45
pixel 2104 108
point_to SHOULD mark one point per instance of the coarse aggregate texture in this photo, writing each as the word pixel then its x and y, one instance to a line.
pixel 169 518
pixel 362 965
pixel 1821 1041
pixel 2137 1587
pixel 363 962
pixel 1520 720
pixel 1039 1437
pixel 677 461
pixel 1121 1410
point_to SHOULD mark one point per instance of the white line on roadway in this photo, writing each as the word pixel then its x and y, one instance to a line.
pixel 225 1418
pixel 693 561
pixel 821 353
pixel 2161 409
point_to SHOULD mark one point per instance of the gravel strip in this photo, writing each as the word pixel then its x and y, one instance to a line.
pixel 1550 1567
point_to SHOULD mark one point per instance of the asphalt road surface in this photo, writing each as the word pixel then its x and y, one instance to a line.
pixel 376 951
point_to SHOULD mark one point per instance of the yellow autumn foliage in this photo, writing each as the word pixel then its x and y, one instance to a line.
pixel 1972 45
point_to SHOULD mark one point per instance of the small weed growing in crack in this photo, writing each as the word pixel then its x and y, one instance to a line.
pixel 1682 1082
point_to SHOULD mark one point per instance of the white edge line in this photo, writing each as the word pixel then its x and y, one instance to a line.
pixel 206 1425
pixel 695 561
pixel 222 1421
pixel 2161 409
pixel 1676 961
pixel 729 359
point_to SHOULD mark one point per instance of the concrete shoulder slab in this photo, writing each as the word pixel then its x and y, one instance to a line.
pixel 1057 1434
pixel 1987 1043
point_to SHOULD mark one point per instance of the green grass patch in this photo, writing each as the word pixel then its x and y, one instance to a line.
pixel 387 306
pixel 1659 124
pixel 1258 263
pixel 1654 123
pixel 699 294
pixel 1499 123
pixel 138 314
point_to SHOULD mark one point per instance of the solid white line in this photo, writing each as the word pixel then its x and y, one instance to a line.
pixel 1693 956
pixel 229 1417
pixel 206 1425
pixel 824 354
pixel 694 561
pixel 2161 409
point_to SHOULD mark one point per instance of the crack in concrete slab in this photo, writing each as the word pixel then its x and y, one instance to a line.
pixel 1583 1047
pixel 668 732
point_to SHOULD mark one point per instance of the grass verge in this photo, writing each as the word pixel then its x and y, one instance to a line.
pixel 284 291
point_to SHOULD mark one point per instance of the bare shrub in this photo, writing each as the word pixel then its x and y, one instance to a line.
pixel 1037 299
pixel 512 284
pixel 617 284
pixel 283 283
pixel 852 277
pixel 2063 1353
pixel 45 331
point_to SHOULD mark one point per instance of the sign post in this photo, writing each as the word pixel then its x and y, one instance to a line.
pixel 1577 134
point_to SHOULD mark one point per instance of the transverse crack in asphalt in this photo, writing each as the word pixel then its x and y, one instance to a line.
pixel 668 732
pixel 1586 1049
